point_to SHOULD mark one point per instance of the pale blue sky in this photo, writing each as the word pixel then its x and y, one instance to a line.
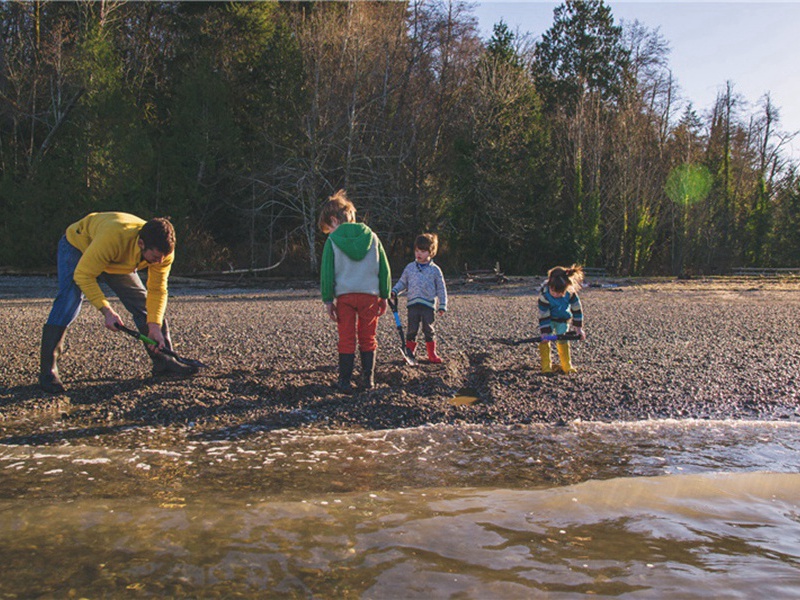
pixel 752 44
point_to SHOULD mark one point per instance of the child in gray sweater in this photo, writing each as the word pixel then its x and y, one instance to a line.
pixel 425 284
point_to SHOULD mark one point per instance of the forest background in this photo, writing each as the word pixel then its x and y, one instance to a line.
pixel 238 119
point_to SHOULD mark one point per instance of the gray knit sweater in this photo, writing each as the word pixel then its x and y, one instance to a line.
pixel 425 285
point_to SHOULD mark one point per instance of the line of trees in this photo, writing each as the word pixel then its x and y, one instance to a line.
pixel 238 119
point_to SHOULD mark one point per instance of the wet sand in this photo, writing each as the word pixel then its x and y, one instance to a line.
pixel 656 349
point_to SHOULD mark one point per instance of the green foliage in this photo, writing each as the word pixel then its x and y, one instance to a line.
pixel 501 46
pixel 784 237
pixel 238 118
pixel 503 177
pixel 581 53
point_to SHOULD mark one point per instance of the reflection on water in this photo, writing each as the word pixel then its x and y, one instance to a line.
pixel 648 510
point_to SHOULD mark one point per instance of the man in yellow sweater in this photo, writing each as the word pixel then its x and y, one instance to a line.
pixel 111 247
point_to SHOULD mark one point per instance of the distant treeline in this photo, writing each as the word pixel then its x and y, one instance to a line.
pixel 238 119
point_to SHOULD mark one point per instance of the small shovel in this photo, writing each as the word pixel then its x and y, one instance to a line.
pixel 407 356
pixel 570 336
pixel 143 338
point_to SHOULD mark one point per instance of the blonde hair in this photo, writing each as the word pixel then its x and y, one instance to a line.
pixel 337 207
pixel 428 242
pixel 563 279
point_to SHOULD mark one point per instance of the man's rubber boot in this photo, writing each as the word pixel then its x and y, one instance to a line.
pixel 368 369
pixel 565 357
pixel 412 346
pixel 346 362
pixel 432 357
pixel 544 355
pixel 52 347
pixel 167 365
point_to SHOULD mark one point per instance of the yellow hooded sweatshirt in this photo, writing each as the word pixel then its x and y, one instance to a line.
pixel 108 242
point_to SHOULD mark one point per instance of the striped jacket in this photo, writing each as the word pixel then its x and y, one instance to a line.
pixel 559 310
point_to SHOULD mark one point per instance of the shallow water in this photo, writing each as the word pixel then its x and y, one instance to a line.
pixel 646 510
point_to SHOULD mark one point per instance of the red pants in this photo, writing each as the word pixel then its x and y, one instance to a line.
pixel 358 315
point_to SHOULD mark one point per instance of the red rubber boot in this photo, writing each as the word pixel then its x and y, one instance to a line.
pixel 432 357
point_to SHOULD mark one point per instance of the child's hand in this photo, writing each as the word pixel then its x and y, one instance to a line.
pixel 581 333
pixel 331 308
pixel 441 312
pixel 382 306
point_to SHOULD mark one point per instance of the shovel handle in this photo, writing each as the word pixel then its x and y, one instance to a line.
pixel 136 334
pixel 143 338
pixel 560 337
pixel 393 306
pixel 151 342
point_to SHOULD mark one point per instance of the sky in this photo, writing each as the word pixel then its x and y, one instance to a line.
pixel 751 44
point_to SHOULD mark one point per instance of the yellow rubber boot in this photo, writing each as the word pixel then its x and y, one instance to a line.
pixel 544 354
pixel 565 357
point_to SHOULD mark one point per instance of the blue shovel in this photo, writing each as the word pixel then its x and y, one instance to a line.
pixel 409 358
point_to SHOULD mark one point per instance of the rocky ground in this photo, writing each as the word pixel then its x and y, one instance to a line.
pixel 705 349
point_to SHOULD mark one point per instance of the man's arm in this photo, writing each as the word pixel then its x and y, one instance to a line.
pixel 157 292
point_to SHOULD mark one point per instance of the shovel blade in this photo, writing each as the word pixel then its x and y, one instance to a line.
pixel 412 362
pixel 191 362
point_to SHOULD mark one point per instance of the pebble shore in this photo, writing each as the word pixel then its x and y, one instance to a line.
pixel 656 349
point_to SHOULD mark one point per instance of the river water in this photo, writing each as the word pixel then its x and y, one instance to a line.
pixel 690 509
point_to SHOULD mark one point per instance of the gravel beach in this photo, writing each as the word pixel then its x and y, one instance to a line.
pixel 656 349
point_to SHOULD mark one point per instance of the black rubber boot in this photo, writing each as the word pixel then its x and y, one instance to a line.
pixel 52 347
pixel 346 362
pixel 167 365
pixel 163 364
pixel 368 369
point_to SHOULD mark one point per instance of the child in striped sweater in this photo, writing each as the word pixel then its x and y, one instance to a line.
pixel 425 284
pixel 558 304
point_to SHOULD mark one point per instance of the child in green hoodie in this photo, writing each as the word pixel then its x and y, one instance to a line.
pixel 355 280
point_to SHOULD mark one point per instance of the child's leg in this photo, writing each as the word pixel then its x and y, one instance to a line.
pixel 414 320
pixel 544 356
pixel 564 355
pixel 367 336
pixel 427 318
pixel 429 333
pixel 346 310
pixel 413 327
pixel 367 322
pixel 346 325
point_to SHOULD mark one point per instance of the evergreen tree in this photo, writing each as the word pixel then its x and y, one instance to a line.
pixel 503 181
pixel 579 71
pixel 581 54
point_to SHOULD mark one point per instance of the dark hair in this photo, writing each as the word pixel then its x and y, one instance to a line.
pixel 338 207
pixel 560 279
pixel 428 242
pixel 158 234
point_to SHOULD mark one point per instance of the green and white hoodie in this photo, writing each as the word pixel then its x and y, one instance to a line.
pixel 354 262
